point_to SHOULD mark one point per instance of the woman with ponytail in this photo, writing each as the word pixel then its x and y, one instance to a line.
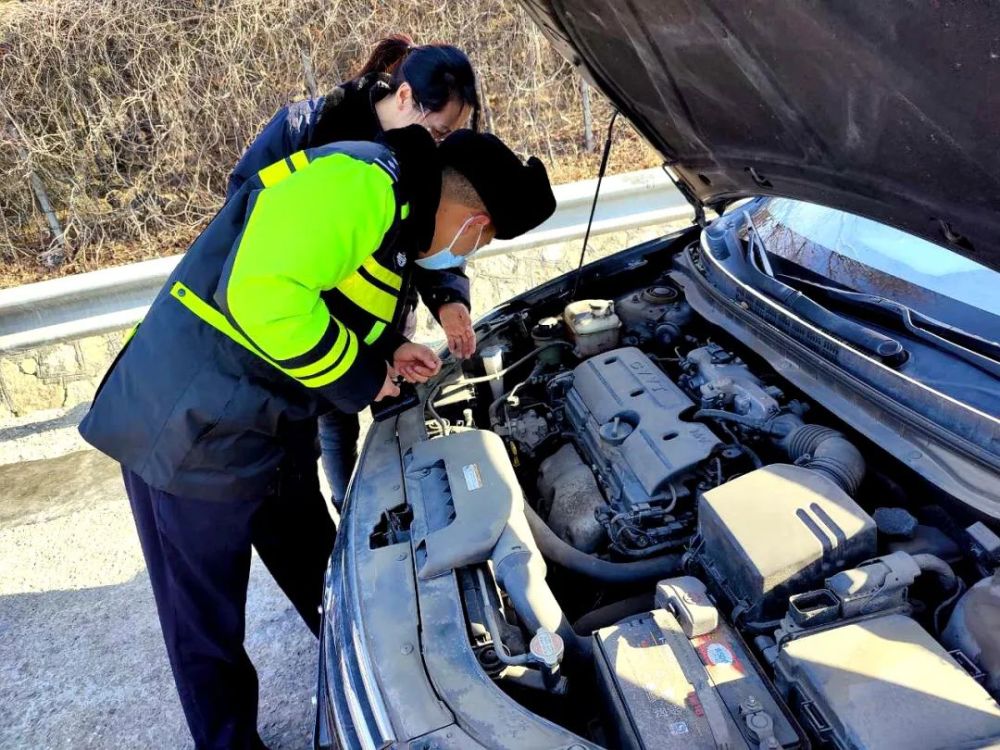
pixel 401 84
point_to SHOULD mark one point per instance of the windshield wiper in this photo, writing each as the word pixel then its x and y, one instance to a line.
pixel 982 353
pixel 884 348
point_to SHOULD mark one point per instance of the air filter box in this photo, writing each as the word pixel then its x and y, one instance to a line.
pixel 778 531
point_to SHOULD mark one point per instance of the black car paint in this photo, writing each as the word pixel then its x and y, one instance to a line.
pixel 434 689
pixel 435 693
pixel 884 109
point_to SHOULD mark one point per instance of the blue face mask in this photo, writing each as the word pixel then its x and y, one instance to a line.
pixel 445 258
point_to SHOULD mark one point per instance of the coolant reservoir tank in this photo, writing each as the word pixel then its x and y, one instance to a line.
pixel 593 326
pixel 546 331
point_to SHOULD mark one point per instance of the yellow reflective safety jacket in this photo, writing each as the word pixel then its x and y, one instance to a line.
pixel 286 305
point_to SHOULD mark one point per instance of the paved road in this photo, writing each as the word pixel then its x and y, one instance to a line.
pixel 82 663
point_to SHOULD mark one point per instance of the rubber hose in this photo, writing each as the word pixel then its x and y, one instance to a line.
pixel 830 453
pixel 949 582
pixel 556 550
pixel 609 614
pixel 537 607
pixel 933 564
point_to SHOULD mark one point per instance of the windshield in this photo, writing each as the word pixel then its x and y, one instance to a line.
pixel 873 258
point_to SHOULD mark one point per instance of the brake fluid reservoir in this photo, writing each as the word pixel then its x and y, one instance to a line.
pixel 593 326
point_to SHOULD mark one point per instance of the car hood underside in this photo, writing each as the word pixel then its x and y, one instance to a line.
pixel 888 110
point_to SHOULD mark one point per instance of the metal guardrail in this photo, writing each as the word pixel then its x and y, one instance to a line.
pixel 90 304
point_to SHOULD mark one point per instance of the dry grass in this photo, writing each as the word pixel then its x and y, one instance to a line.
pixel 132 112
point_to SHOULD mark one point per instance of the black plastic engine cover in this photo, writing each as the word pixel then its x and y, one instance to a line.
pixel 627 415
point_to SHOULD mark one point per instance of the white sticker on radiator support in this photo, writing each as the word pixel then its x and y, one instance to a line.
pixel 473 477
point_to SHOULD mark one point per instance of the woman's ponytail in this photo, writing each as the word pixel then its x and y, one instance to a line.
pixel 437 73
pixel 387 55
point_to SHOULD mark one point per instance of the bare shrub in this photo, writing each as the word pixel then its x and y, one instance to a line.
pixel 132 112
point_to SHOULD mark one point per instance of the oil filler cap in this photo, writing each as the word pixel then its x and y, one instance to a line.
pixel 659 295
pixel 617 429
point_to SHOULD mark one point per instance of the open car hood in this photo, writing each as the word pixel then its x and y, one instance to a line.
pixel 889 110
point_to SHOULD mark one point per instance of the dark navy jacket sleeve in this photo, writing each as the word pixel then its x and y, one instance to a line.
pixel 287 132
pixel 440 287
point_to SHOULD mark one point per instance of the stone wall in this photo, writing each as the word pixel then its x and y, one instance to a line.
pixel 65 375
pixel 52 377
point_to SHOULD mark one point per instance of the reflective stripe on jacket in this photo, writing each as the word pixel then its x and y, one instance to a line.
pixel 286 305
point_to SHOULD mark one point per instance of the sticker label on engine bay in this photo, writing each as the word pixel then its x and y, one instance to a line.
pixel 718 654
pixel 678 727
pixel 473 477
pixel 720 659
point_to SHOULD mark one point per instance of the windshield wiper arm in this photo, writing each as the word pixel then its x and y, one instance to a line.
pixel 885 348
pixel 918 324
pixel 755 241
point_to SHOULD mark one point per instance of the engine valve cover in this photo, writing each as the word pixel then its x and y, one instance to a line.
pixel 627 416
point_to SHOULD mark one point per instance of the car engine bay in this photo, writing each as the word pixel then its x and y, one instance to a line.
pixel 660 543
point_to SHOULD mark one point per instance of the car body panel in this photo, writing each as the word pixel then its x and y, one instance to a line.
pixel 430 684
pixel 804 100
pixel 386 603
pixel 410 634
pixel 888 110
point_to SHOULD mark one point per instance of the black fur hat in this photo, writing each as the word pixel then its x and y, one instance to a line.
pixel 516 194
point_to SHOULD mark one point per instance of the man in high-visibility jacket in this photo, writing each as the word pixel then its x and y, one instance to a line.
pixel 284 307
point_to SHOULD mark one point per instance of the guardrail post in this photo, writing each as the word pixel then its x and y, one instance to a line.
pixel 588 120
pixel 307 72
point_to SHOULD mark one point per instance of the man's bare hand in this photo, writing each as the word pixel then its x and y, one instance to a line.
pixel 389 387
pixel 415 362
pixel 457 325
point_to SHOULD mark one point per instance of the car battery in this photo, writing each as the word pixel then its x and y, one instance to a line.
pixel 663 690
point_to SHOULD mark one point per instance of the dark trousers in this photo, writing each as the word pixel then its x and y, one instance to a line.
pixel 198 556
pixel 338 441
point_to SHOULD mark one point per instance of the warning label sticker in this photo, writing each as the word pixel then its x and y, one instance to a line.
pixel 719 657
pixel 718 654
pixel 473 477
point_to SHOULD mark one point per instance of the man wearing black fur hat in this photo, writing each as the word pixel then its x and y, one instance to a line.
pixel 286 306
